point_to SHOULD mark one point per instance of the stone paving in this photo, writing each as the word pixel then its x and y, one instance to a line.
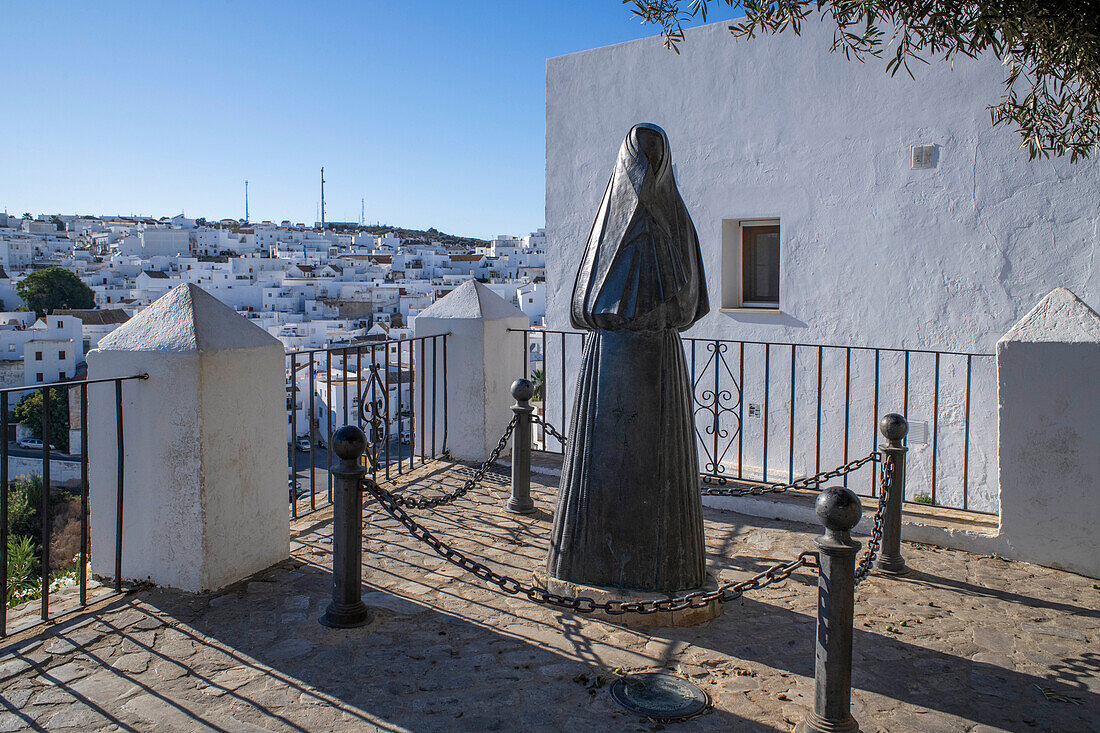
pixel 965 643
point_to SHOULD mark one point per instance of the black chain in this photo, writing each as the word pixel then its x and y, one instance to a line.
pixel 802 483
pixel 424 502
pixel 868 559
pixel 393 504
pixel 549 428
pixel 583 604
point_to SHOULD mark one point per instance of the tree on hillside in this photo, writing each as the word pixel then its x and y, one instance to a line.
pixel 29 413
pixel 1050 50
pixel 47 290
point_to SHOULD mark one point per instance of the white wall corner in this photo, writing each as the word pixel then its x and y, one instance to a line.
pixel 205 498
pixel 1048 366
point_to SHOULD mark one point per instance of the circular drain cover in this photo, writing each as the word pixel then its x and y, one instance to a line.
pixel 662 697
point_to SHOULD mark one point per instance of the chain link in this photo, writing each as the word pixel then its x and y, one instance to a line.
pixel 583 604
pixel 549 428
pixel 802 483
pixel 426 502
pixel 873 544
pixel 394 505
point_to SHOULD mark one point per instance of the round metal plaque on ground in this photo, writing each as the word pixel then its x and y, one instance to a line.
pixel 660 697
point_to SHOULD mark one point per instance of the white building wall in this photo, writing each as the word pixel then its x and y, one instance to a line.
pixel 873 252
pixel 53 348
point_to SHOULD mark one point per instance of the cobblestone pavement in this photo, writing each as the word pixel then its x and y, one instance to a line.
pixel 966 643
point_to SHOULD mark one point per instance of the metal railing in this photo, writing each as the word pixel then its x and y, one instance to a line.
pixel 397 387
pixel 47 415
pixel 770 412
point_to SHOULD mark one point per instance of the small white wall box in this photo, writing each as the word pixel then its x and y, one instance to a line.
pixel 918 432
pixel 924 156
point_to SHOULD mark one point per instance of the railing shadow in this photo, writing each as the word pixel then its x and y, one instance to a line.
pixel 970 589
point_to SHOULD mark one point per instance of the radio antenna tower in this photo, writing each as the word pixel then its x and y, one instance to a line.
pixel 362 211
pixel 322 198
pixel 246 200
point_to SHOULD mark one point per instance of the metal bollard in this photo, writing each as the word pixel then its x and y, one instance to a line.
pixel 520 501
pixel 839 510
pixel 894 428
pixel 347 609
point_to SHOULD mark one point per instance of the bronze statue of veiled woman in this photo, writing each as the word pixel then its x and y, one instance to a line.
pixel 629 513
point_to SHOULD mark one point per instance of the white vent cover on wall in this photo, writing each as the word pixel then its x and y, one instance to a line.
pixel 924 156
pixel 918 432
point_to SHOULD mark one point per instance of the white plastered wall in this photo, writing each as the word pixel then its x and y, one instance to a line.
pixel 483 359
pixel 1048 367
pixel 873 253
pixel 205 497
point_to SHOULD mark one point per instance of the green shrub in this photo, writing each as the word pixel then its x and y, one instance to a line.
pixel 23 581
pixel 29 412
pixel 24 501
pixel 923 499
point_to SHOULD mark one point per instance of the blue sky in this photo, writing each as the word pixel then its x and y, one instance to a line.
pixel 432 111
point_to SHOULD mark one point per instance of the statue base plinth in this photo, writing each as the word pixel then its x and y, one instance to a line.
pixel 686 617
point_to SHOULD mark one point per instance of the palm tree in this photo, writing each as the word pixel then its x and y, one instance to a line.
pixel 539 382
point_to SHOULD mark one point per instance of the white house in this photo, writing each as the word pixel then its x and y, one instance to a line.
pixel 835 205
pixel 96 323
pixel 52 350
pixel 151 242
pixel 531 298
pixel 16 250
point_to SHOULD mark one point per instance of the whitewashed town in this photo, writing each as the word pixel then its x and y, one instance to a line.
pixel 309 286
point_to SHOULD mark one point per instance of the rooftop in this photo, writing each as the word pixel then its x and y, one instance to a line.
pixel 964 643
pixel 98 316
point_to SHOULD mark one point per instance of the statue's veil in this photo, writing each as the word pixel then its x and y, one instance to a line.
pixel 642 269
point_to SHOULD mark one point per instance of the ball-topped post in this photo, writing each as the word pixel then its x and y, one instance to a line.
pixel 520 500
pixel 894 428
pixel 348 443
pixel 523 390
pixel 347 609
pixel 839 509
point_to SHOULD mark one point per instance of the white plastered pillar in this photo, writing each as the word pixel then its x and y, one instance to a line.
pixel 483 359
pixel 1048 371
pixel 205 496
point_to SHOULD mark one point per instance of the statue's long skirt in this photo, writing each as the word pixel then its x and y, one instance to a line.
pixel 629 512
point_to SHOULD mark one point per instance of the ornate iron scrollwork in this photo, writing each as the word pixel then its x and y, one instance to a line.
pixel 374 411
pixel 713 404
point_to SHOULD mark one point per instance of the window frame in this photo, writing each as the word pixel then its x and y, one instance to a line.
pixel 748 261
pixel 733 265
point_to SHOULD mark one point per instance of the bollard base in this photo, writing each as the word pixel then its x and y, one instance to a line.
pixel 816 724
pixel 891 566
pixel 686 617
pixel 346 617
pixel 519 507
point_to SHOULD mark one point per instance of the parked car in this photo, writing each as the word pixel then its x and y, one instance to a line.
pixel 33 444
pixel 302 444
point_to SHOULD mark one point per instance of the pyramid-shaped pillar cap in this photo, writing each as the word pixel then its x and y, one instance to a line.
pixel 187 319
pixel 472 301
pixel 1060 317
